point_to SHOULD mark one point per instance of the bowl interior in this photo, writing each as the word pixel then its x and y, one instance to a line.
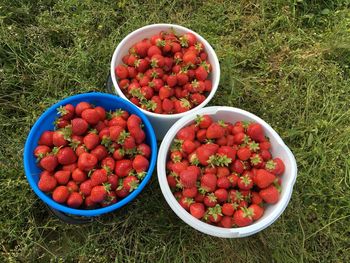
pixel 146 32
pixel 45 122
pixel 279 149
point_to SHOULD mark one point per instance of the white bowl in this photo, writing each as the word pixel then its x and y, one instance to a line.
pixel 279 149
pixel 162 122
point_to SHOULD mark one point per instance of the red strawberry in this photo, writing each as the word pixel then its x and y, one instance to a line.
pixel 203 121
pixel 243 153
pixel 141 65
pixel 72 186
pixel 182 105
pixel 265 155
pixel 188 146
pixel 215 130
pixel 79 126
pixel 221 195
pixel 265 145
pixel 188 39
pixel 62 177
pixel 60 194
pixel 91 141
pixel 258 211
pixel 75 200
pixel 256 198
pixel 167 105
pixel 108 162
pixel 41 150
pixel 197 210
pixel 123 167
pixel 189 57
pixel 222 172
pixel 243 217
pixel 115 131
pixel 171 181
pixel 121 71
pixel 179 167
pixel 69 167
pixel 228 209
pixel 49 162
pixel 140 164
pixel 230 152
pixel 256 160
pixel 46 138
pixel 81 106
pixel 270 194
pixel 101 112
pixel 98 177
pixel 66 155
pixel 233 178
pixel 186 202
pixel 263 178
pixel 117 121
pixel 113 180
pixel 47 182
pixel 215 214
pixel 91 116
pixel 186 133
pixel 98 193
pixel 121 192
pixel 237 166
pixel 188 178
pixel 66 112
pixel 190 192
pixel 223 182
pixel 100 152
pixel 201 73
pixel 144 150
pixel 256 132
pixel 275 166
pixel 226 222
pixel 79 175
pixel 88 203
pixel 245 182
pixel 205 151
pixel 130 183
pixel 87 161
pixel 85 187
pixel 208 182
pixel 58 139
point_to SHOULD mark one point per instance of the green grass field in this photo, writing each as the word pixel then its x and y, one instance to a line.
pixel 286 61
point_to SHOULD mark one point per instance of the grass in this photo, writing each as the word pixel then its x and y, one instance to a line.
pixel 286 61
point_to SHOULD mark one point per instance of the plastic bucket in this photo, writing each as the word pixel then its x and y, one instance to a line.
pixel 45 122
pixel 279 149
pixel 161 122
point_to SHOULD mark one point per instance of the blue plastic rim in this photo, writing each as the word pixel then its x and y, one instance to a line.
pixel 45 122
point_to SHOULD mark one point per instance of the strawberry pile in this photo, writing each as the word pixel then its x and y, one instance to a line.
pixel 166 73
pixel 224 173
pixel 93 158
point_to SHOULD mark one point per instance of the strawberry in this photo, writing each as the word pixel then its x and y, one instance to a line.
pixel 59 139
pixel 189 57
pixel 85 187
pixel 187 133
pixel 41 150
pixel 140 164
pixel 233 178
pixel 221 195
pixel 208 182
pixel 215 130
pixel 72 186
pixel 226 222
pixel 79 175
pixel 263 178
pixel 66 155
pixel 49 162
pixel 182 105
pixel 243 217
pixel 245 182
pixel 256 160
pixel 270 194
pixel 188 39
pixel 188 146
pixel 203 121
pixel 230 152
pixel 60 194
pixel 117 121
pixel 244 153
pixel 258 211
pixel 190 192
pixel 91 116
pixel 113 180
pixel 88 203
pixel 179 167
pixel 275 166
pixel 123 167
pixel 215 214
pixel 223 182
pixel 130 183
pixel 264 145
pixel 79 126
pixel 69 167
pixel 100 152
pixel 144 150
pixel 75 200
pixel 256 132
pixel 204 152
pixel 188 178
pixel 228 209
pixel 201 73
pixel 256 198
pixel 81 106
pixel 99 193
pixel 197 210
pixel 186 202
pixel 47 182
pixel 171 181
pixel 121 72
pixel 222 172
pixel 98 177
pixel 101 112
pixel 67 112
pixel 46 138
pixel 62 177
pixel 237 166
pixel 108 162
pixel 87 161
pixel 265 155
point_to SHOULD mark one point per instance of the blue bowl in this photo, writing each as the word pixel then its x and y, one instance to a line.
pixel 45 122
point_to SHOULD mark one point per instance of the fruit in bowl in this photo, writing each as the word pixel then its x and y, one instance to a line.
pixel 224 173
pixel 94 158
pixel 167 73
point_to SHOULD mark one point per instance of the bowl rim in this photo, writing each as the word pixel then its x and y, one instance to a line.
pixel 91 212
pixel 208 47
pixel 198 224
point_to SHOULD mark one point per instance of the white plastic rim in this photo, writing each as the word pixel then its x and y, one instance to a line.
pixel 162 122
pixel 278 148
